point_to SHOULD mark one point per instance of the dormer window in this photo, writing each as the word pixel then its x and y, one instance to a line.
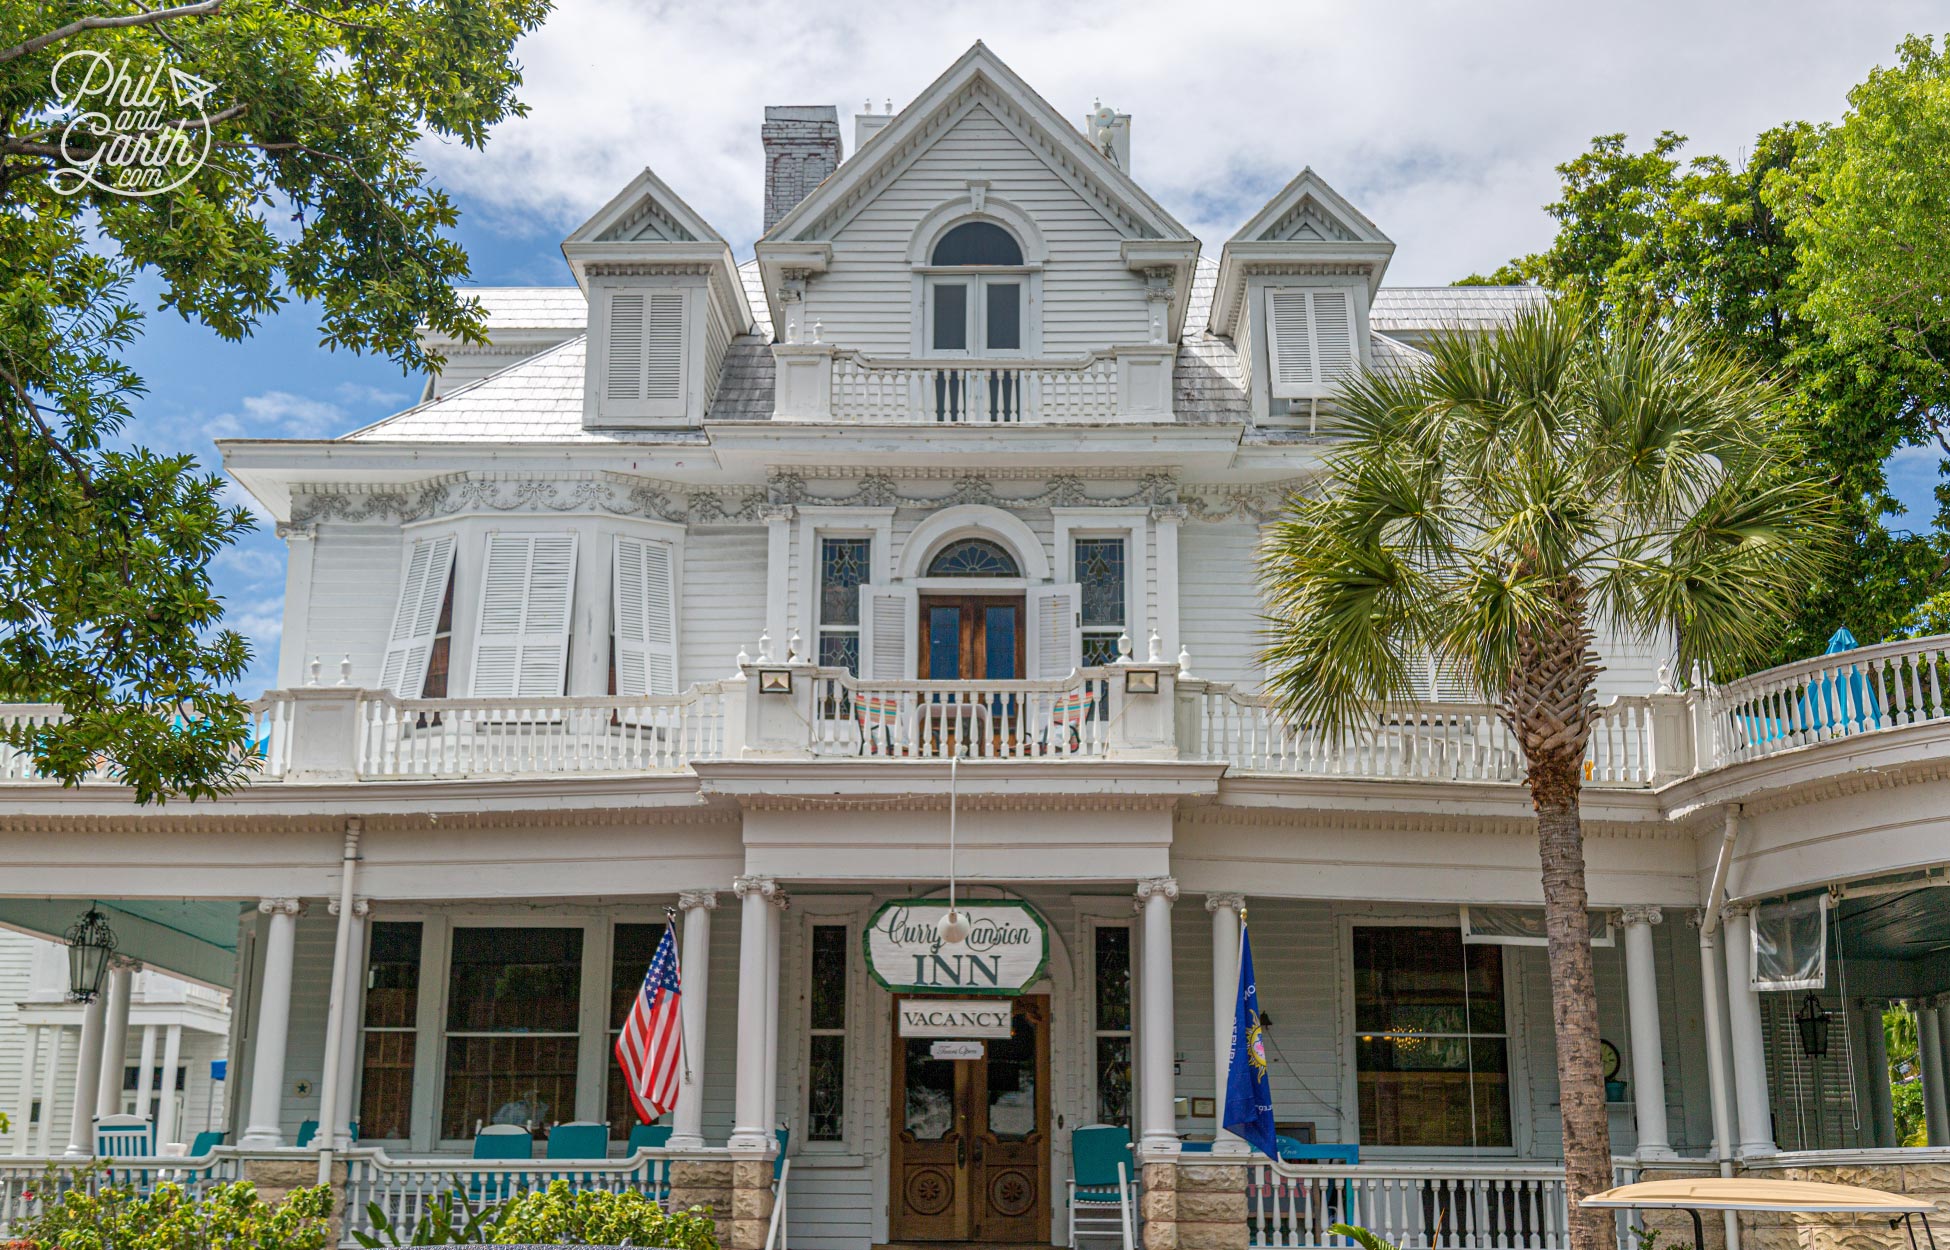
pixel 976 292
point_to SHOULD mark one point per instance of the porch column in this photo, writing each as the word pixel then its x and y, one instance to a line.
pixel 1743 1027
pixel 1225 909
pixel 50 1086
pixel 87 1078
pixel 115 1037
pixel 749 1131
pixel 687 1120
pixel 262 1129
pixel 351 1041
pixel 1648 1057
pixel 24 1105
pixel 774 921
pixel 1158 1126
pixel 145 1072
pixel 172 1059
pixel 1875 1061
pixel 1929 1052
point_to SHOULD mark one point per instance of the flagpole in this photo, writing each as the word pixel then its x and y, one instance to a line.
pixel 677 963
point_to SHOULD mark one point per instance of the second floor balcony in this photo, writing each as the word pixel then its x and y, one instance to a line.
pixel 792 710
pixel 820 382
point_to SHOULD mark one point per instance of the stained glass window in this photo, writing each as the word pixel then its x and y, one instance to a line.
pixel 1112 971
pixel 1100 572
pixel 973 557
pixel 844 566
pixel 826 1092
pixel 391 1030
pixel 1431 1049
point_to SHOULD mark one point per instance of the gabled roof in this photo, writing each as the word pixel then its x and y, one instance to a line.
pixel 1307 223
pixel 646 223
pixel 646 208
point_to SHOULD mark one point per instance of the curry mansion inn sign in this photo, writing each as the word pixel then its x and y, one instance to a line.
pixel 1004 953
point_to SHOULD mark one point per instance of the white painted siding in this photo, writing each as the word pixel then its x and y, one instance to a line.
pixel 1090 300
pixel 723 600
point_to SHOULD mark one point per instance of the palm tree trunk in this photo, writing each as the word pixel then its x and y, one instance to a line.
pixel 1574 996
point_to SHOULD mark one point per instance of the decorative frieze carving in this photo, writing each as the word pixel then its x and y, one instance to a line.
pixel 607 494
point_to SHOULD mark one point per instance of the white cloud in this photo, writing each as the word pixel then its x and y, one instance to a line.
pixel 293 416
pixel 1442 120
pixel 255 564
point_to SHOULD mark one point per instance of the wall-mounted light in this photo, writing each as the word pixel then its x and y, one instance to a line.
pixel 1141 681
pixel 90 943
pixel 775 681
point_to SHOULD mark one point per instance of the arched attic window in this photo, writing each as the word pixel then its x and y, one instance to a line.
pixel 978 313
pixel 974 557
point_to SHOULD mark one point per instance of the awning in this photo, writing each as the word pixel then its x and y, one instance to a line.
pixel 1721 1193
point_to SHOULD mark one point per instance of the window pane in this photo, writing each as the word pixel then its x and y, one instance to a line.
pixel 1004 301
pixel 1000 633
pixel 840 651
pixel 1409 980
pixel 930 1111
pixel 1114 977
pixel 386 1086
pixel 829 976
pixel 636 946
pixel 393 975
pixel 1100 572
pixel 1099 650
pixel 951 317
pixel 974 557
pixel 508 1080
pixel 977 243
pixel 515 980
pixel 1113 1080
pixel 944 644
pixel 1012 1081
pixel 842 570
pixel 826 1094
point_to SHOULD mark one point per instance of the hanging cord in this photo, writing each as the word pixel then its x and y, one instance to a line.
pixel 1848 1040
pixel 1469 1047
pixel 953 763
pixel 677 965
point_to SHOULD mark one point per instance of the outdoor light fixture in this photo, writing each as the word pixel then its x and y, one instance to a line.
pixel 775 681
pixel 953 926
pixel 1141 681
pixel 1812 1021
pixel 90 943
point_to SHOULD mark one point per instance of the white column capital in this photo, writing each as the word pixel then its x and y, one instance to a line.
pixel 746 885
pixel 692 900
pixel 1733 911
pixel 1151 887
pixel 361 907
pixel 780 898
pixel 1225 902
pixel 1641 913
pixel 281 906
pixel 124 963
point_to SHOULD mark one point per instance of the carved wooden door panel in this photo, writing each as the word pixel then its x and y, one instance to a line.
pixel 929 1167
pixel 1009 1168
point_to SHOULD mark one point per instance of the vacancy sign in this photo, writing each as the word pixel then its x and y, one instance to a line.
pixel 947 1017
pixel 1004 953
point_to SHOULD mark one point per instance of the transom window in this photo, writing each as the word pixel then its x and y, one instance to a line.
pixel 973 557
pixel 976 314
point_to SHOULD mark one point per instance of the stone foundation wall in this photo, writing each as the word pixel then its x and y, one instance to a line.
pixel 1929 1181
pixel 694 1183
pixel 1197 1206
pixel 751 1204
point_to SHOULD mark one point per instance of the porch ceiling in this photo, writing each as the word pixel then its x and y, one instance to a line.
pixel 1897 926
pixel 191 939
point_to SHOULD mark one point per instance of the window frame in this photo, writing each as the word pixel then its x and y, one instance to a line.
pixel 358 1065
pixel 1514 1049
pixel 1093 1033
pixel 598 409
pixel 1265 350
pixel 795 1055
pixel 817 523
pixel 978 280
pixel 1133 525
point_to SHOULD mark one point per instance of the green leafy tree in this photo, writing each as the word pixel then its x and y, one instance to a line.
pixel 1641 233
pixel 305 187
pixel 1905 1075
pixel 1494 508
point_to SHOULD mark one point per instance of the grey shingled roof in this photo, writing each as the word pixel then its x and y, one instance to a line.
pixel 1206 385
pixel 1386 355
pixel 530 307
pixel 1412 309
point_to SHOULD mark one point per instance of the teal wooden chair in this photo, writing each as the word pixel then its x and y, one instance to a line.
pixel 1100 1182
pixel 500 1141
pixel 123 1137
pixel 205 1142
pixel 578 1139
pixel 778 1160
pixel 308 1132
pixel 648 1137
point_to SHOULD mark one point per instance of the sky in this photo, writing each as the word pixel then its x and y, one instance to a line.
pixel 1442 121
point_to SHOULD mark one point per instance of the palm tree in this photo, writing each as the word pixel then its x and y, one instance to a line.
pixel 1490 511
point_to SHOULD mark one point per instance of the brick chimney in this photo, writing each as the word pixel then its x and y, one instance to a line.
pixel 802 146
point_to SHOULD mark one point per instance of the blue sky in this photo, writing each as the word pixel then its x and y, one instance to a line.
pixel 1442 121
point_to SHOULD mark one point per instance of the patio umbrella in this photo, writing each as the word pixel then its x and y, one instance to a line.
pixel 1828 705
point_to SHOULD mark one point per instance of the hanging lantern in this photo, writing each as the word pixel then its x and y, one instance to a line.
pixel 90 943
pixel 1812 1021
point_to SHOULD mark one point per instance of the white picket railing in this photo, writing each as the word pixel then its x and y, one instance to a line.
pixel 1068 718
pixel 269 740
pixel 968 392
pixel 504 737
pixel 1414 1208
pixel 29 1183
pixel 403 1189
pixel 1886 686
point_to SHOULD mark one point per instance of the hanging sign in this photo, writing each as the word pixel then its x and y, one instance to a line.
pixel 956 1050
pixel 1004 953
pixel 952 1017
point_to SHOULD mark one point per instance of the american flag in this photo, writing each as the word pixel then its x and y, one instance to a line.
pixel 650 1049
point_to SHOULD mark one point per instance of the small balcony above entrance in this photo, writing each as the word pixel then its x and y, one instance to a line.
pixel 818 382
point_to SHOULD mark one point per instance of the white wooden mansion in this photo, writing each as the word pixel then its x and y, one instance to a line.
pixel 689 591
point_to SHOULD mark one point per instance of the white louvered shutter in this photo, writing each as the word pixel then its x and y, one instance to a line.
pixel 521 647
pixel 888 617
pixel 1310 340
pixel 643 592
pixel 644 360
pixel 423 586
pixel 1055 639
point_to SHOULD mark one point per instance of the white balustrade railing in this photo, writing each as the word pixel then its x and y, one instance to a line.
pixel 1886 686
pixel 1066 718
pixel 501 737
pixel 970 392
pixel 1619 752
pixel 269 738
pixel 1415 1208
pixel 403 1189
pixel 28 1184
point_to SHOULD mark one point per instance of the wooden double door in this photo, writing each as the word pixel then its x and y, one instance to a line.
pixel 970 1151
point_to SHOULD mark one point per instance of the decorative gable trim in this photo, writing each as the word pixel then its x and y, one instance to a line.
pixel 1308 228
pixel 647 198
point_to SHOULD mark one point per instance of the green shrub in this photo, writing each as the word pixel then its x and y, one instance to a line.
pixel 439 1226
pixel 561 1216
pixel 228 1217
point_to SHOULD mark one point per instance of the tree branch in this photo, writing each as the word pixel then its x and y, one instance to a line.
pixel 32 410
pixel 147 17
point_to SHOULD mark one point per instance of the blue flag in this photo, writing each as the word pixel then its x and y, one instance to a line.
pixel 1249 1095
